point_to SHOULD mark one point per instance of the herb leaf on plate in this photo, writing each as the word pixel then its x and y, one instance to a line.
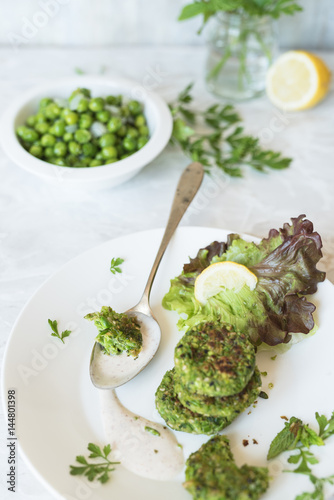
pixel 326 427
pixel 299 437
pixel 55 333
pixel 318 493
pixel 94 470
pixel 215 137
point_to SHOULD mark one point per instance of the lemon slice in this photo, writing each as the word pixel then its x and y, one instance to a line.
pixel 297 80
pixel 222 275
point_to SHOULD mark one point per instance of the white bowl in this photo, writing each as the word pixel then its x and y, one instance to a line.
pixel 157 114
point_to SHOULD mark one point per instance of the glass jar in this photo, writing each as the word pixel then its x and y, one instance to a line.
pixel 241 48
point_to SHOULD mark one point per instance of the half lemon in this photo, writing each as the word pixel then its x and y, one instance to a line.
pixel 222 275
pixel 297 80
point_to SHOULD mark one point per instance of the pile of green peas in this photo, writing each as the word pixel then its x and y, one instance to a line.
pixel 84 131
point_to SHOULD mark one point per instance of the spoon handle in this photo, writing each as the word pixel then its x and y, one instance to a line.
pixel 188 185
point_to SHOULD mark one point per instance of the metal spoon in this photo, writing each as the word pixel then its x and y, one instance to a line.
pixel 109 372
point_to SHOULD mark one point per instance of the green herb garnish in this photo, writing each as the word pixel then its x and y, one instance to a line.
pixel 99 471
pixel 298 436
pixel 152 431
pixel 114 265
pixel 55 333
pixel 209 8
pixel 248 34
pixel 318 492
pixel 274 357
pixel 225 143
pixel 118 332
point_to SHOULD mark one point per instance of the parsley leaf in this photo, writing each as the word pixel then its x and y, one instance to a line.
pixel 221 141
pixel 55 333
pixel 99 471
pixel 287 439
pixel 114 265
pixel 326 427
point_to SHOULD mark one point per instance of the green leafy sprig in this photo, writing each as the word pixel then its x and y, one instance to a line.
pixel 55 333
pixel 319 485
pixel 300 437
pixel 114 265
pixel 99 471
pixel 224 143
pixel 208 8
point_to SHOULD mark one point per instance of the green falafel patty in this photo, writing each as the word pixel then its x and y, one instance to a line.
pixel 213 360
pixel 211 474
pixel 180 418
pixel 229 406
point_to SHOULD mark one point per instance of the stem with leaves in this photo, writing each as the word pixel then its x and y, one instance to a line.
pixel 94 470
pixel 55 333
pixel 249 12
pixel 300 437
pixel 224 142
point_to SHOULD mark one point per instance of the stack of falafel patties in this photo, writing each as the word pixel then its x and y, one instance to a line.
pixel 215 378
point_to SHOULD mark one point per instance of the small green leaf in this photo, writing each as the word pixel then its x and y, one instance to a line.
pixel 55 333
pixel 294 459
pixel 152 431
pixel 309 437
pixel 181 131
pixel 94 449
pixel 322 421
pixel 104 478
pixel 95 470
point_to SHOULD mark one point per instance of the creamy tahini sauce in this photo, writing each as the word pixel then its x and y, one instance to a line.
pixel 116 370
pixel 152 456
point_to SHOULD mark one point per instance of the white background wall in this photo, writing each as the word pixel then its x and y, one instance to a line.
pixel 106 22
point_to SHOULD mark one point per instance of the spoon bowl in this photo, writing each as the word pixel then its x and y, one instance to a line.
pixel 109 372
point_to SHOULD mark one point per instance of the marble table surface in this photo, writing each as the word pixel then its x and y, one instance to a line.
pixel 43 226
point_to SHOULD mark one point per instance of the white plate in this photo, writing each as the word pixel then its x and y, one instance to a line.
pixel 58 410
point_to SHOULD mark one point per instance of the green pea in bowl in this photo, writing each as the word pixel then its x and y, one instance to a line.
pixel 98 139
